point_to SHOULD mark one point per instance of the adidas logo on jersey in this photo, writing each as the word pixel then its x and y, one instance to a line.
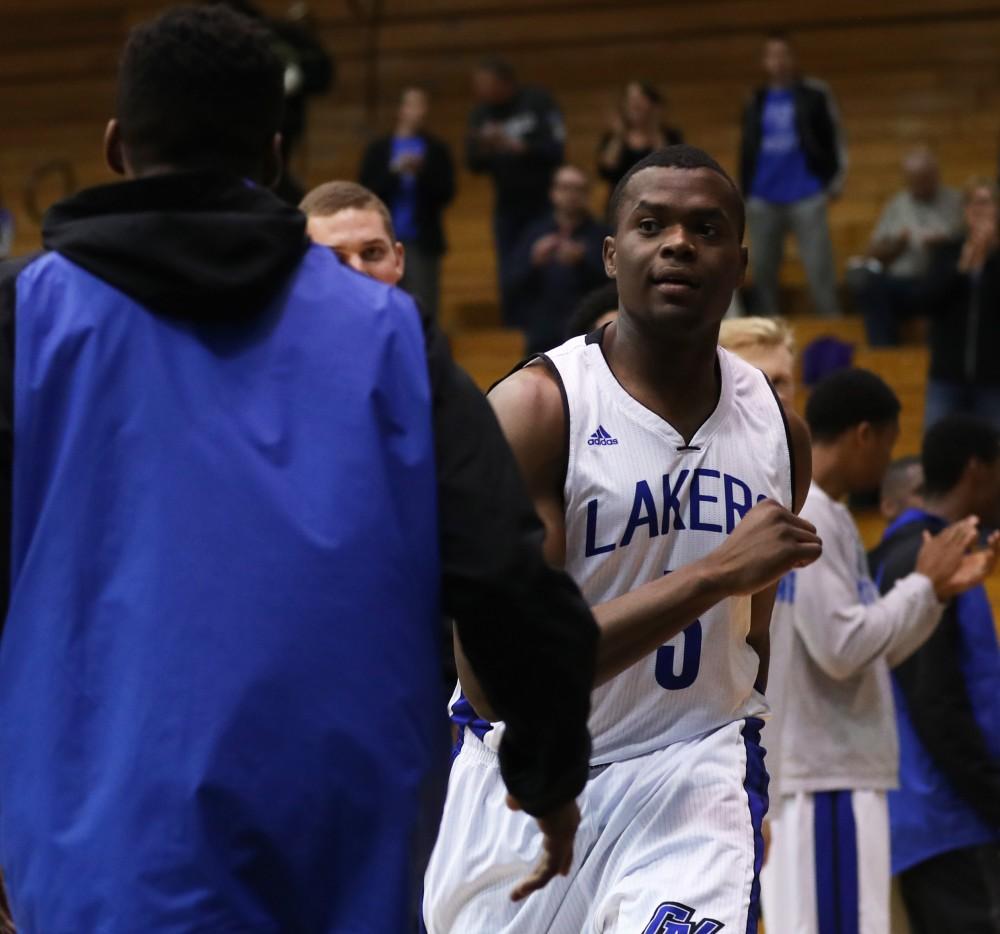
pixel 601 436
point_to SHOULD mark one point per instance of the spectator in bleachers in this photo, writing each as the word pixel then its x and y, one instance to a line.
pixel 557 260
pixel 963 296
pixel 355 223
pixel 791 161
pixel 596 309
pixel 6 230
pixel 887 282
pixel 412 172
pixel 768 344
pixel 637 128
pixel 516 135
pixel 945 816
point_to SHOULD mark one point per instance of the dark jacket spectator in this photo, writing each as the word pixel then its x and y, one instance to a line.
pixel 963 300
pixel 516 135
pixel 412 172
pixel 818 128
pixel 557 261
pixel 433 187
pixel 636 130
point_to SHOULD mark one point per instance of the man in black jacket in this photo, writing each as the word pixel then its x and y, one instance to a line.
pixel 516 135
pixel 962 292
pixel 412 172
pixel 205 738
pixel 945 816
pixel 791 162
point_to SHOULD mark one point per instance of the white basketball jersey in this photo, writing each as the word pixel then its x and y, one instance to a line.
pixel 640 502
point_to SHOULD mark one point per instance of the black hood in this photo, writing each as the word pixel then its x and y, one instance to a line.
pixel 188 245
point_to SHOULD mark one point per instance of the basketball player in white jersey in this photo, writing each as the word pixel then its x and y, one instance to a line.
pixel 644 446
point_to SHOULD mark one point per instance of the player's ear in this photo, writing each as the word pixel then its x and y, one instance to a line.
pixel 114 155
pixel 610 257
pixel 400 252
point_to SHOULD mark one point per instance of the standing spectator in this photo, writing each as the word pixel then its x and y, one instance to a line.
pixel 412 172
pixel 556 262
pixel 902 487
pixel 516 134
pixel 791 161
pixel 945 817
pixel 837 751
pixel 887 282
pixel 636 130
pixel 963 296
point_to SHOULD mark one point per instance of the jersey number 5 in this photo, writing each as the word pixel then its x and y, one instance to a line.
pixel 672 680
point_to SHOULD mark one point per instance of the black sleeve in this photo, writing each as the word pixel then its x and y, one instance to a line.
pixel 521 272
pixel 614 173
pixel 528 634
pixel 933 685
pixel 375 173
pixel 943 284
pixel 8 277
pixel 437 178
pixel 476 160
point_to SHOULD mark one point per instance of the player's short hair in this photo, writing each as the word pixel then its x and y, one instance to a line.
pixel 950 444
pixel 595 303
pixel 680 156
pixel 333 197
pixel 738 334
pixel 895 480
pixel 848 398
pixel 200 86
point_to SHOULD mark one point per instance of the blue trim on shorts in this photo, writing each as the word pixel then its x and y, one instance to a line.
pixel 755 783
pixel 836 845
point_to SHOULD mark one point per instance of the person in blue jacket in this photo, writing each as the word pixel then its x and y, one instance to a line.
pixel 945 816
pixel 239 483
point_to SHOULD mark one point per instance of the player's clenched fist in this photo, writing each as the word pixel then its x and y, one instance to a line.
pixel 769 542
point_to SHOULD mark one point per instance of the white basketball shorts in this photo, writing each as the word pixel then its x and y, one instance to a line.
pixel 827 867
pixel 669 843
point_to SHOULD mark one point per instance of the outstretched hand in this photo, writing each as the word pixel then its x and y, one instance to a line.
pixel 558 832
pixel 972 568
pixel 767 543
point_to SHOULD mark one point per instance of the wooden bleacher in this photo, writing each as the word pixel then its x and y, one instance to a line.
pixel 903 71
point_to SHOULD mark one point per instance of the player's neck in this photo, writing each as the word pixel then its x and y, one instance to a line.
pixel 679 380
pixel 827 471
pixel 950 506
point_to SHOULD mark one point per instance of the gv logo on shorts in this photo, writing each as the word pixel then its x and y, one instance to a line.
pixel 675 918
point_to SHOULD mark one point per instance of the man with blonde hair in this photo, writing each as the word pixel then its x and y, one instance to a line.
pixel 769 345
pixel 356 224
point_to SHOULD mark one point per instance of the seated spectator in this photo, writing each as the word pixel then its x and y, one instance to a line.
pixel 357 226
pixel 887 281
pixel 636 130
pixel 963 295
pixel 768 344
pixel 557 261
pixel 596 309
pixel 412 172
pixel 945 816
